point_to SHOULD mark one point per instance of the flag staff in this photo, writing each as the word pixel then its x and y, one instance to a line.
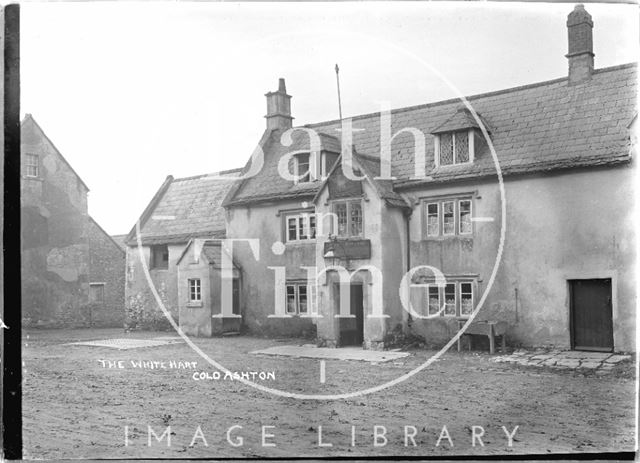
pixel 338 83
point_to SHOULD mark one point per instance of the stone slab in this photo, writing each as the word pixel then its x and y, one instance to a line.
pixel 128 343
pixel 617 358
pixel 328 353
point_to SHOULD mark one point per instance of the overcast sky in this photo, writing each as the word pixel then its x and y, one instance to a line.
pixel 133 92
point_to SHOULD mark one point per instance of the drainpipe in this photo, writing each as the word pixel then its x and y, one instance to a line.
pixel 408 222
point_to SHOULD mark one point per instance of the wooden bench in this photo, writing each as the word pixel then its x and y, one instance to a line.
pixel 484 328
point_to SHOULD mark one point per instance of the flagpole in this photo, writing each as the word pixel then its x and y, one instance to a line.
pixel 338 84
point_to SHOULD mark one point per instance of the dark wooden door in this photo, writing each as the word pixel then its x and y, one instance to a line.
pixel 357 309
pixel 591 315
pixel 236 297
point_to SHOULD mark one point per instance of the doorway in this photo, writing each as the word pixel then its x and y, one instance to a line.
pixel 591 315
pixel 352 329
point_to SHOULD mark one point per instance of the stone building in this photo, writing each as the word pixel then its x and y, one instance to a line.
pixel 182 210
pixel 72 271
pixel 514 206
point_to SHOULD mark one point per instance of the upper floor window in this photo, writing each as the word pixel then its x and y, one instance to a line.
pixel 455 148
pixel 349 218
pixel 32 166
pixel 159 256
pixel 301 227
pixel 327 162
pixel 448 217
pixel 302 168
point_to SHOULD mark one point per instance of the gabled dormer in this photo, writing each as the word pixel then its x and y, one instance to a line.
pixel 457 139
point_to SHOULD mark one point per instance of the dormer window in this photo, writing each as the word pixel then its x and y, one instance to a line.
pixel 302 172
pixel 455 148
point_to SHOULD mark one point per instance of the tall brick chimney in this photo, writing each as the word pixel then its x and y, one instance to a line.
pixel 580 56
pixel 279 108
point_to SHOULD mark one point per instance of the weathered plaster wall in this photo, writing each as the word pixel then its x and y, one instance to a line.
pixel 106 265
pixel 559 226
pixel 142 310
pixel 263 223
pixel 195 318
pixel 55 248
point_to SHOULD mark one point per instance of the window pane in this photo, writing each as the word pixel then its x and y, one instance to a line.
pixel 312 226
pixel 446 149
pixel 194 290
pixel 291 299
pixel 356 219
pixel 341 212
pixel 303 168
pixel 466 298
pixel 450 299
pixel 462 147
pixel 448 218
pixel 434 300
pixel 160 256
pixel 302 299
pixel 302 226
pixel 432 219
pixel 31 165
pixel 292 229
pixel 465 216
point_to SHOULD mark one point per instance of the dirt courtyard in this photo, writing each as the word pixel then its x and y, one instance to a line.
pixel 100 402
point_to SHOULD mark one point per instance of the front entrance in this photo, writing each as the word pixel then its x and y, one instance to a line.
pixel 591 315
pixel 352 329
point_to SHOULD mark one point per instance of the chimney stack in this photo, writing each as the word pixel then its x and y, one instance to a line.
pixel 279 108
pixel 580 56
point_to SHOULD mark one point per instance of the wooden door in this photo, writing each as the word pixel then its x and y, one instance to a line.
pixel 357 309
pixel 591 315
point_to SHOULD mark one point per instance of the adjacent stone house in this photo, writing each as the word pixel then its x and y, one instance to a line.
pixel 72 271
pixel 408 218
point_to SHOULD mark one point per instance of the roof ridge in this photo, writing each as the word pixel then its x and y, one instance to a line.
pixel 474 96
pixel 222 172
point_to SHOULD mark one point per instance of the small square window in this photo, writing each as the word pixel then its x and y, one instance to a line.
pixel 96 293
pixel 32 165
pixel 195 291
pixel 301 227
pixel 159 256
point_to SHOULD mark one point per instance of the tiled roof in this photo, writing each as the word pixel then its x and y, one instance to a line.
pixel 189 208
pixel 120 240
pixel 268 184
pixel 534 128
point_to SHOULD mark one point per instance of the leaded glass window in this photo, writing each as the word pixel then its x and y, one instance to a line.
pixel 446 149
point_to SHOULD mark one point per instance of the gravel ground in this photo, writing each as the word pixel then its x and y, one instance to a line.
pixel 75 406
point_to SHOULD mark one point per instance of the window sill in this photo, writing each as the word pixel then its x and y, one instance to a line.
pixel 194 305
pixel 301 242
pixel 468 237
pixel 452 166
pixel 29 177
pixel 158 269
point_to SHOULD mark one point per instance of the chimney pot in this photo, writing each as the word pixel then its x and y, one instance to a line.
pixel 279 108
pixel 580 54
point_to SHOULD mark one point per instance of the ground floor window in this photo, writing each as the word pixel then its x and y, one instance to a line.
pixel 301 298
pixel 96 293
pixel 455 298
pixel 195 291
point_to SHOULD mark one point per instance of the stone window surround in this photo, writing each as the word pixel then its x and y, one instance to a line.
pixel 194 286
pixel 457 281
pixel 470 141
pixel 348 201
pixel 456 198
pixel 32 165
pixel 311 294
